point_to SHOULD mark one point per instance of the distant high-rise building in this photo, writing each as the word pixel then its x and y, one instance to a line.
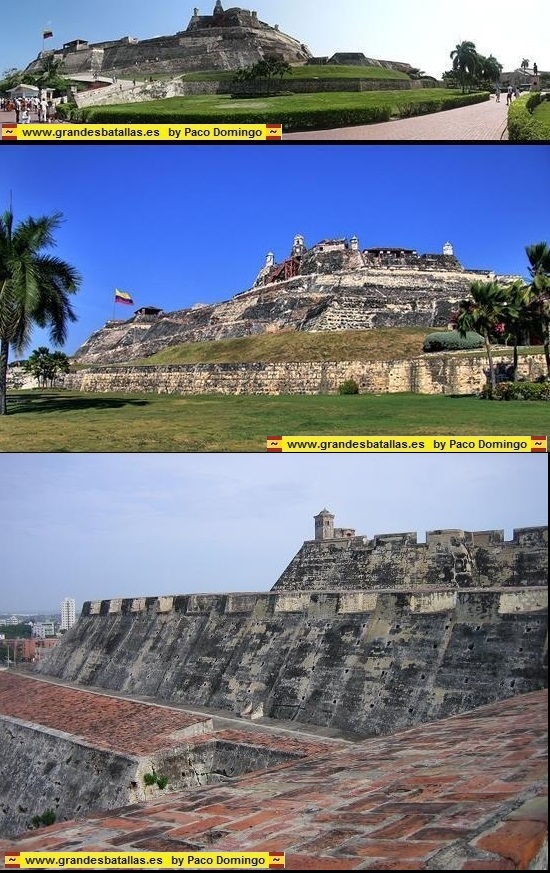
pixel 68 613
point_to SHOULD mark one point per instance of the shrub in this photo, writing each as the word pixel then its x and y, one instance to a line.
pixel 291 119
pixel 47 818
pixel 155 778
pixel 64 110
pixel 451 340
pixel 350 386
pixel 425 107
pixel 522 125
pixel 517 391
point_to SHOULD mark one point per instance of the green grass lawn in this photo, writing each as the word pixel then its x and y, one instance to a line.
pixel 328 71
pixel 222 108
pixel 72 421
pixel 542 115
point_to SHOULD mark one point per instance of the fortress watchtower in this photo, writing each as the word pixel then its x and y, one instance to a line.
pixel 324 525
pixel 325 530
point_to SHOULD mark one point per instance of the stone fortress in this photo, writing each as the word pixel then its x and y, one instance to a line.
pixel 361 637
pixel 228 39
pixel 333 285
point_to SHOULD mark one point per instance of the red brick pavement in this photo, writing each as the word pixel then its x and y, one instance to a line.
pixel 105 722
pixel 375 805
pixel 483 121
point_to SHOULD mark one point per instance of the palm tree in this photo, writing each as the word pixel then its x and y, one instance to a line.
pixel 34 287
pixel 539 292
pixel 490 69
pixel 465 61
pixel 50 74
pixel 483 312
pixel 517 317
pixel 524 64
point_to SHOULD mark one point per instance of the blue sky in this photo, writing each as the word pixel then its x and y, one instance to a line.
pixel 421 33
pixel 180 225
pixel 99 526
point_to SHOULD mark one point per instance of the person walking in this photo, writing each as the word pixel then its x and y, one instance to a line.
pixel 509 95
pixel 497 93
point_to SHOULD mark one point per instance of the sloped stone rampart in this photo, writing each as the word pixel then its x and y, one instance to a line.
pixel 370 665
pixel 441 374
pixel 336 290
pixel 47 769
pixel 453 558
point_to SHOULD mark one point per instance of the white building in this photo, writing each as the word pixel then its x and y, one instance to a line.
pixel 43 629
pixel 68 613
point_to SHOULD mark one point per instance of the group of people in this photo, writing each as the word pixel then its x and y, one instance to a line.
pixel 29 109
pixel 511 94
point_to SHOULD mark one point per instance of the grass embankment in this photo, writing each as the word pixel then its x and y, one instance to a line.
pixel 53 421
pixel 328 71
pixel 294 111
pixel 383 344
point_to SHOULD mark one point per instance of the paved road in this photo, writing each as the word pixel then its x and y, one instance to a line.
pixel 482 121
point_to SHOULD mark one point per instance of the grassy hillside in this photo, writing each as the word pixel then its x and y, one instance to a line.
pixel 383 344
pixel 328 71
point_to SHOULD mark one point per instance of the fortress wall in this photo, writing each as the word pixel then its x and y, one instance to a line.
pixel 48 769
pixel 365 662
pixel 126 92
pixel 425 375
pixel 448 558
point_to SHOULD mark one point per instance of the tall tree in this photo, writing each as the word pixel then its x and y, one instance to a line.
pixel 35 288
pixel 524 64
pixel 465 61
pixel 538 256
pixel 46 366
pixel 483 312
pixel 490 69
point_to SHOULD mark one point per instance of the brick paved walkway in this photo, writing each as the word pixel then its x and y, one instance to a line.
pixel 483 121
pixel 465 793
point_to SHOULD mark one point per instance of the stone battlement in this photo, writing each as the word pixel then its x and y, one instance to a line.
pixel 422 600
pixel 337 558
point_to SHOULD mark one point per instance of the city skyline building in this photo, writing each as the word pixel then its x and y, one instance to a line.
pixel 68 613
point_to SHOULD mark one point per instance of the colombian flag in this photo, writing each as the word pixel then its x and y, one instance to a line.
pixel 46 34
pixel 122 297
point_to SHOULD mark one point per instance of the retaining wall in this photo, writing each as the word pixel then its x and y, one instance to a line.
pixel 126 92
pixel 425 375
